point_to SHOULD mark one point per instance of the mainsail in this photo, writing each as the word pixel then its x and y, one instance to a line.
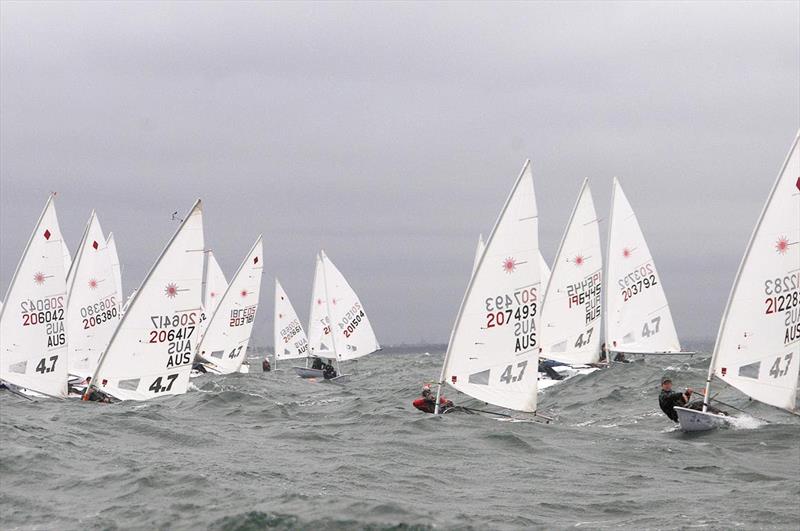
pixel 33 344
pixel 94 305
pixel 492 353
pixel 758 345
pixel 637 312
pixel 224 343
pixel 319 325
pixel 150 353
pixel 352 333
pixel 571 311
pixel 290 339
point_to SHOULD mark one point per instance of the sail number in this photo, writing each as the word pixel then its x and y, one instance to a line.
pixel 638 287
pixel 781 303
pixel 100 318
pixel 99 307
pixel 49 312
pixel 352 319
pixel 504 317
pixel 508 376
pixel 175 330
pixel 502 302
pixel 776 370
pixel 158 387
pixel 242 316
pixel 781 285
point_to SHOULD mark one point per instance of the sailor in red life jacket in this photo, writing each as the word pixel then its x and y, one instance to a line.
pixel 427 402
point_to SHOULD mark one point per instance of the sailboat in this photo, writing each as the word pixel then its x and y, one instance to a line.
pixel 33 345
pixel 492 352
pixel 290 338
pixel 571 311
pixel 94 305
pixel 637 315
pixel 150 352
pixel 348 328
pixel 758 344
pixel 223 345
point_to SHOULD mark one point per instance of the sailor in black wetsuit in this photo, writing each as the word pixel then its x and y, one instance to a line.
pixel 329 372
pixel 668 399
pixel 317 364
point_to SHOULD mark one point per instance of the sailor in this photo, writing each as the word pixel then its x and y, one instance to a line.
pixel 317 364
pixel 668 399
pixel 620 358
pixel 603 353
pixel 427 402
pixel 92 394
pixel 329 372
pixel 546 366
pixel 265 366
pixel 79 387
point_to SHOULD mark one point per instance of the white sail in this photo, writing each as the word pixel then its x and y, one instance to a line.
pixel 637 312
pixel 151 351
pixel 492 353
pixel 67 257
pixel 115 265
pixel 758 345
pixel 478 252
pixel 214 284
pixel 93 304
pixel 352 332
pixel 571 311
pixel 224 343
pixel 544 272
pixel 290 338
pixel 319 327
pixel 33 343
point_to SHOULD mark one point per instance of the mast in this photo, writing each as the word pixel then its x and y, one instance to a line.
pixel 607 263
pixel 328 311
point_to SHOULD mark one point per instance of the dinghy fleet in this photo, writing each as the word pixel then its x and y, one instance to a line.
pixel 66 328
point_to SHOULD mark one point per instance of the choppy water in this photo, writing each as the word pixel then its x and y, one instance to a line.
pixel 270 451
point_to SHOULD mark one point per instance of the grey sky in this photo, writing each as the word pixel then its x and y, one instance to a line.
pixel 390 134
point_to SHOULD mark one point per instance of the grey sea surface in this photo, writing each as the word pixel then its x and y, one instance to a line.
pixel 271 451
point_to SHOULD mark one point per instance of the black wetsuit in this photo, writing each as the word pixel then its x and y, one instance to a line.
pixel 265 366
pixel 668 400
pixel 317 364
pixel 329 373
pixel 550 371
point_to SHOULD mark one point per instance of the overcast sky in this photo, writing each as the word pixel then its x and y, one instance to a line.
pixel 390 135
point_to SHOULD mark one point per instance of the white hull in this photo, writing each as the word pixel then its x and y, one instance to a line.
pixel 304 372
pixel 693 420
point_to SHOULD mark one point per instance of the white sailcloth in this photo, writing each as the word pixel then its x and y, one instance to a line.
pixel 319 325
pixel 290 338
pixel 33 346
pixel 115 265
pixel 571 312
pixel 93 304
pixel 353 336
pixel 150 353
pixel 224 343
pixel 67 257
pixel 638 318
pixel 544 271
pixel 758 345
pixel 214 285
pixel 492 353
pixel 478 252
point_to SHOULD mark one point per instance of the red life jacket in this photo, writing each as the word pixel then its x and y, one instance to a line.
pixel 427 406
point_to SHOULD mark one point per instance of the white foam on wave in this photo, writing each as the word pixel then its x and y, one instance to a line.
pixel 746 422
